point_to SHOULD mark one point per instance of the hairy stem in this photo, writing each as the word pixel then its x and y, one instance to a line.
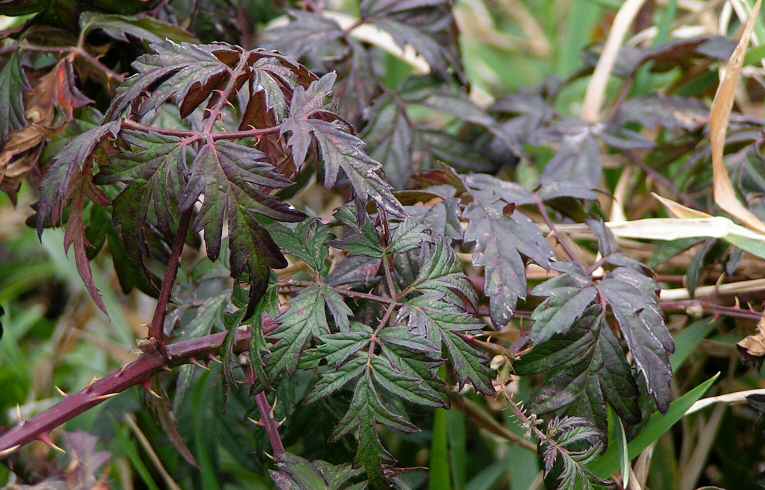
pixel 156 329
pixel 132 374
pixel 707 307
pixel 484 420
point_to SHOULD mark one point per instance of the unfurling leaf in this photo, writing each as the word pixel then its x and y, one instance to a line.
pixel 564 459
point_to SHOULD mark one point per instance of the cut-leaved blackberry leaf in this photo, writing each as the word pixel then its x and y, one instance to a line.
pixel 306 319
pixel 584 368
pixel 632 297
pixel 501 244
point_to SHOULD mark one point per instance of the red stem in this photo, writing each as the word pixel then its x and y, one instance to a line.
pixel 132 374
pixel 562 239
pixel 713 308
pixel 270 425
pixel 182 133
pixel 156 329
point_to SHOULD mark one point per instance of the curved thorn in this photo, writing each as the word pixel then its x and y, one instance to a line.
pixel 46 439
pixel 9 451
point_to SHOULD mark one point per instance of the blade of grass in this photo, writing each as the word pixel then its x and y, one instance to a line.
pixel 201 441
pixel 130 420
pixel 608 463
pixel 689 339
pixel 458 457
pixel 128 447
pixel 439 453
pixel 624 457
pixel 596 90
pixel 582 17
pixel 488 477
pixel 728 398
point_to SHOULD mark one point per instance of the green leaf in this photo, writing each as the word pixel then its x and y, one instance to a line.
pixel 665 250
pixel 267 307
pixel 365 411
pixel 441 274
pixel 359 238
pixel 334 379
pixel 564 459
pixel 308 241
pixel 608 463
pixel 306 319
pixel 405 370
pixel 124 27
pixel 624 458
pixel 407 387
pixel 155 166
pixel 13 84
pixel 408 235
pixel 444 324
pixel 296 473
pixel 337 348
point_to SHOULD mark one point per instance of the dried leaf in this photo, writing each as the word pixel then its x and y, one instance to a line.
pixel 753 346
pixel 724 193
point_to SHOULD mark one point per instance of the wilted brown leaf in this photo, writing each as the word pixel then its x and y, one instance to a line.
pixel 55 90
pixel 753 346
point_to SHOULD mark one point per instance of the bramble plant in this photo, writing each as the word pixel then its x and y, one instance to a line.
pixel 456 248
